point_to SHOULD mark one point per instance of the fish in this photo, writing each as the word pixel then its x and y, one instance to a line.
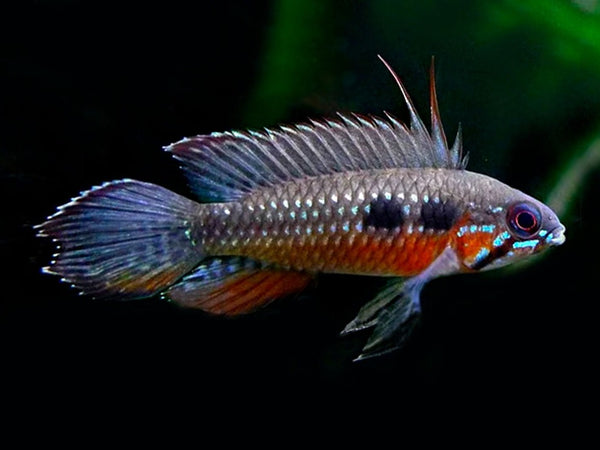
pixel 355 194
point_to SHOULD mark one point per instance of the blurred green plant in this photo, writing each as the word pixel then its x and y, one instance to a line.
pixel 573 176
pixel 300 33
pixel 573 27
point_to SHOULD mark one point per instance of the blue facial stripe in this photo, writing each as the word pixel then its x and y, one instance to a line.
pixel 461 231
pixel 524 244
pixel 474 229
pixel 501 238
pixel 481 254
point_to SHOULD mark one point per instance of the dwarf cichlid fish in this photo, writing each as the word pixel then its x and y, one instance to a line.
pixel 357 194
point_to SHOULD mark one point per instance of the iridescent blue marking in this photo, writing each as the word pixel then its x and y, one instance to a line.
pixel 462 231
pixel 293 214
pixel 549 237
pixel 497 209
pixel 542 233
pixel 346 226
pixel 298 203
pixel 388 195
pixel 488 228
pixel 473 228
pixel 501 238
pixel 481 254
pixel 524 244
pixel 406 210
pixel 355 210
pixel 304 215
pixel 359 226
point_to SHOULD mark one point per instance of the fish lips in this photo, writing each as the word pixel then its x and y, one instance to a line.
pixel 557 236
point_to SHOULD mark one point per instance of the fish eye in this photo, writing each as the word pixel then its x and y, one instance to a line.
pixel 524 219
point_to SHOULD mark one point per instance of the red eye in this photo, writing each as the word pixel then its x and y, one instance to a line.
pixel 524 219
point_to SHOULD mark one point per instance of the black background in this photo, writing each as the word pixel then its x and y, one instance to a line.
pixel 90 91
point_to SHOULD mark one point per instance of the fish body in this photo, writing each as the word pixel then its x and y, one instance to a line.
pixel 392 222
pixel 355 195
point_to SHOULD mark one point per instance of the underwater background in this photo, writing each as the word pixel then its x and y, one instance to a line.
pixel 91 91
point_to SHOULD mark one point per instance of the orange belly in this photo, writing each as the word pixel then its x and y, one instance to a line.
pixel 404 253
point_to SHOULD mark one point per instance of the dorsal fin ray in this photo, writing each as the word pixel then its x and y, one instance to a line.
pixel 417 127
pixel 457 149
pixel 228 166
pixel 437 129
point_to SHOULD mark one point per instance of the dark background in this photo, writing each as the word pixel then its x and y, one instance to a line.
pixel 91 91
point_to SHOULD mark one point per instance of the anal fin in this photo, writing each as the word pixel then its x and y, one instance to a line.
pixel 234 285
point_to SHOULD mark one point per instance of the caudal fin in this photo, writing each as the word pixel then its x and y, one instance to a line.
pixel 125 238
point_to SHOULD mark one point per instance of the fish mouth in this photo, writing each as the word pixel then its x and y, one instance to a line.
pixel 557 236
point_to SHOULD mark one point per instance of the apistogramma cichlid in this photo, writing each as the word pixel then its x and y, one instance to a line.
pixel 355 195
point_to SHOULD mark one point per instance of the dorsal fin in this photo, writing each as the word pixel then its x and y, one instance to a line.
pixel 227 166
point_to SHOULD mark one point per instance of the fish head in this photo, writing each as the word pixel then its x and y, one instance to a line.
pixel 517 226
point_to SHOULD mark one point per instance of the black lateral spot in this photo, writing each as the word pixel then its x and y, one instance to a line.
pixel 384 213
pixel 439 215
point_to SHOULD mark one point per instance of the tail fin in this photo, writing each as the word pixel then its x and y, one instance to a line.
pixel 125 238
